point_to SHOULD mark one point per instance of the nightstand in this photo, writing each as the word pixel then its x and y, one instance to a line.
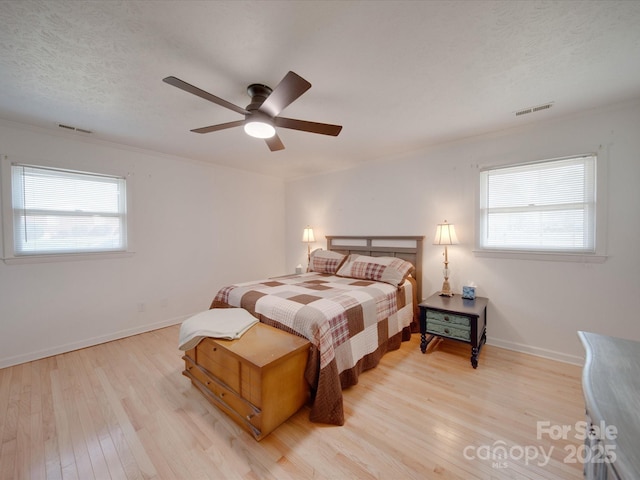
pixel 456 318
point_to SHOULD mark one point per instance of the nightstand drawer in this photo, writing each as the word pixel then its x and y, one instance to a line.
pixel 460 332
pixel 448 318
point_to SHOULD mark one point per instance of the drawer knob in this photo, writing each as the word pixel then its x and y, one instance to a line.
pixel 250 416
pixel 446 330
pixel 215 349
pixel 221 394
pixel 446 318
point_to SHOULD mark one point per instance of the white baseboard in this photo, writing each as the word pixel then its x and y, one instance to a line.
pixel 29 357
pixel 89 342
pixel 537 351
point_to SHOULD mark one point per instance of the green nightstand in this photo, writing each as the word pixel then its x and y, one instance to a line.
pixel 456 318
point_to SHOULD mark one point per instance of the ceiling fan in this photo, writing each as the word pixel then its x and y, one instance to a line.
pixel 261 115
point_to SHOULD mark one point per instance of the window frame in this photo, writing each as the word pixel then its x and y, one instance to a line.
pixel 600 218
pixel 10 256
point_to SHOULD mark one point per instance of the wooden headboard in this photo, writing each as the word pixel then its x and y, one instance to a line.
pixel 408 248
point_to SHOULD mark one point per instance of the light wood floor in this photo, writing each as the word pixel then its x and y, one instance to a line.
pixel 123 410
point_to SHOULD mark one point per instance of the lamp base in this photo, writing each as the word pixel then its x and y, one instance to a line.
pixel 446 289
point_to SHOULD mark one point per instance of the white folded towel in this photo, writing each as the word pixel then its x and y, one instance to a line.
pixel 228 323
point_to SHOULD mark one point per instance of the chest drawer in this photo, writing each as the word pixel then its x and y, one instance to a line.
pixel 452 330
pixel 225 396
pixel 219 363
pixel 448 318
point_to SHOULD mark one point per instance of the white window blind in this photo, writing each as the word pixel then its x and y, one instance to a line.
pixel 59 211
pixel 548 206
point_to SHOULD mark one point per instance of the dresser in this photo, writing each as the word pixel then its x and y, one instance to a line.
pixel 258 379
pixel 611 386
pixel 456 318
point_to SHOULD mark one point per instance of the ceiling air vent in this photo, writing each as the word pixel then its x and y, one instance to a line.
pixel 74 129
pixel 534 109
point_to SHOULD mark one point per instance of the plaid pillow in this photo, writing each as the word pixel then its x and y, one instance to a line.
pixel 325 261
pixel 390 270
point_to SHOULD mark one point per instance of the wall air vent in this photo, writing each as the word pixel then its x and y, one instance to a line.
pixel 541 107
pixel 74 129
pixel 533 109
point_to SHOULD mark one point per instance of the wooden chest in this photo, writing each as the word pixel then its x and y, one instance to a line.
pixel 258 379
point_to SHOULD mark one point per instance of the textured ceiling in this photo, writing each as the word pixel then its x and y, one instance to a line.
pixel 399 76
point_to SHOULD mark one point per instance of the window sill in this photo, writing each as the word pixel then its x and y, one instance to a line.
pixel 72 257
pixel 542 256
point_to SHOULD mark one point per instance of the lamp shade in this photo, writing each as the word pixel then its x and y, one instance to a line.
pixel 445 234
pixel 307 235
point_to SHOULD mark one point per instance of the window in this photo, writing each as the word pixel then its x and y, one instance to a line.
pixel 548 206
pixel 57 211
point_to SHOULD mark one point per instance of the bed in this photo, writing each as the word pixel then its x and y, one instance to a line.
pixel 357 301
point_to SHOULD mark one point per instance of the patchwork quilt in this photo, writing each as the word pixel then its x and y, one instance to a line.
pixel 350 323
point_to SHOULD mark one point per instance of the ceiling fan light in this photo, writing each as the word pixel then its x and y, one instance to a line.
pixel 259 129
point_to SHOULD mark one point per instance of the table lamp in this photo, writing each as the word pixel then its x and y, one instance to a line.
pixel 307 236
pixel 445 235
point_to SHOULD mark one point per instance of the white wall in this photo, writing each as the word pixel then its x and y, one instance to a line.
pixel 197 227
pixel 535 306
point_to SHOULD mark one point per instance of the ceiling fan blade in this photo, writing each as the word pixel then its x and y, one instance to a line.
pixel 303 125
pixel 187 87
pixel 288 90
pixel 221 126
pixel 274 143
